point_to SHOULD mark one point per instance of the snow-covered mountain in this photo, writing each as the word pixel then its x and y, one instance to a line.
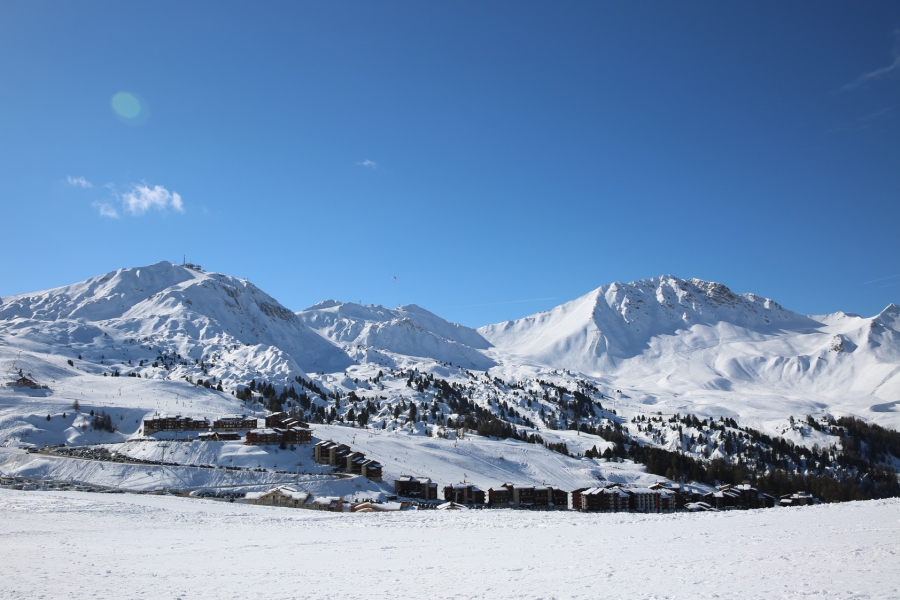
pixel 677 345
pixel 166 309
pixel 408 330
pixel 628 364
pixel 678 341
pixel 619 321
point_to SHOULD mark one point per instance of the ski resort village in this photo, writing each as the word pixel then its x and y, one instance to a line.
pixel 449 300
pixel 170 388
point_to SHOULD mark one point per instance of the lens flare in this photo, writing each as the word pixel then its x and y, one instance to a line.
pixel 129 108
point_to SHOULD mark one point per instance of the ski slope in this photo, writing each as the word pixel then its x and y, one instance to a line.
pixel 486 462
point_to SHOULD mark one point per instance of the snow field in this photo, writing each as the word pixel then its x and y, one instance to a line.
pixel 483 461
pixel 75 545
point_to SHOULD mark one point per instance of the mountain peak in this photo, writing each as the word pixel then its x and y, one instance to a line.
pixel 889 317
pixel 408 330
pixel 416 309
pixel 619 320
pixel 195 313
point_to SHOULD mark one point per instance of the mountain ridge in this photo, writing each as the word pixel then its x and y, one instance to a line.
pixel 408 330
pixel 677 343
pixel 192 313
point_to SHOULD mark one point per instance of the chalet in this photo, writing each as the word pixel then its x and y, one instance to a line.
pixel 280 496
pixel 23 382
pixel 666 501
pixel 748 495
pixel 643 500
pixel 343 457
pixel 681 494
pixel 293 498
pixel 463 493
pixel 275 419
pixel 614 498
pixel 618 498
pixel 798 499
pixel 537 497
pixel 235 423
pixel 543 496
pixel 321 451
pixel 588 499
pixel 262 437
pixel 339 457
pixel 284 421
pixel 296 435
pixel 560 499
pixel 724 498
pixel 500 498
pixel 354 462
pixel 329 503
pixel 218 436
pixel 415 487
pixel 738 496
pixel 174 423
pixel 523 496
pixel 331 453
pixel 372 470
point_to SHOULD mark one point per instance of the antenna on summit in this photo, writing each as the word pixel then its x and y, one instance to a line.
pixel 188 265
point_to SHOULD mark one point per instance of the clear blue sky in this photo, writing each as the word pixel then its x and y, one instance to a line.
pixel 497 158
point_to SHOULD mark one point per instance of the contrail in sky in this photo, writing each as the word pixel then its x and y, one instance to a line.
pixel 882 279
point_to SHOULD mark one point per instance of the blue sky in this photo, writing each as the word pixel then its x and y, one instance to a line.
pixel 497 158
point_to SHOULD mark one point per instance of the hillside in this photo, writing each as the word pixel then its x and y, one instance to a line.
pixel 172 316
pixel 684 376
pixel 693 345
pixel 408 331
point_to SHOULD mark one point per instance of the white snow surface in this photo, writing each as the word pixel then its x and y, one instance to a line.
pixel 660 345
pixel 696 346
pixel 170 308
pixel 488 462
pixel 76 545
pixel 408 330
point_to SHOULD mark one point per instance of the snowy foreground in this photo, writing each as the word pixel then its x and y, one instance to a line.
pixel 76 545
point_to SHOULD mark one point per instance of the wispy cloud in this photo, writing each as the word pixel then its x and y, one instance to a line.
pixel 368 163
pixel 878 114
pixel 79 182
pixel 873 75
pixel 878 73
pixel 106 210
pixel 138 200
pixel 142 198
pixel 865 122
